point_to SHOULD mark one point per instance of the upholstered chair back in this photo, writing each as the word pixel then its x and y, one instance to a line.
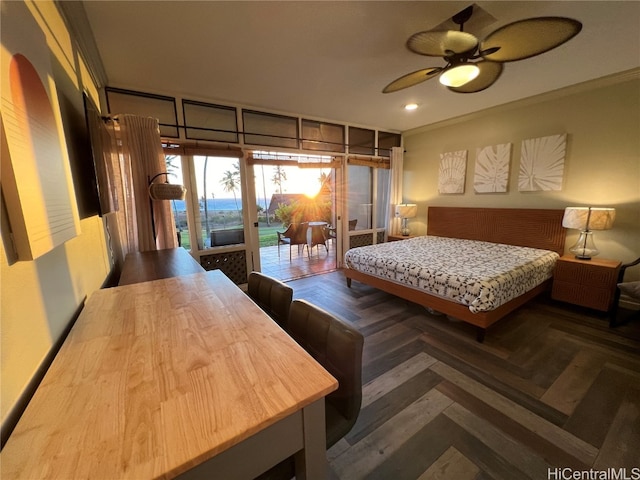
pixel 273 296
pixel 337 346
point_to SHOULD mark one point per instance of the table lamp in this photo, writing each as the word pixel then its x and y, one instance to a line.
pixel 405 211
pixel 587 219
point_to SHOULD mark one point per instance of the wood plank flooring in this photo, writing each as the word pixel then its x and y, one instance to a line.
pixel 551 387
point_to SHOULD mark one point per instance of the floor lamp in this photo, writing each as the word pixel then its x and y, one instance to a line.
pixel 163 191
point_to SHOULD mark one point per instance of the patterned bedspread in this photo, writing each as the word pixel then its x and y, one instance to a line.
pixel 481 275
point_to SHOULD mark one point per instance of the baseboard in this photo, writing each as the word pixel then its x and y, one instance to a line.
pixel 112 278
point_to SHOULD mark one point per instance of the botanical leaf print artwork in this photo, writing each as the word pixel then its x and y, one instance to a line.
pixel 492 168
pixel 453 168
pixel 542 163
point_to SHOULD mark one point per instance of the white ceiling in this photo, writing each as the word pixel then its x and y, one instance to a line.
pixel 330 60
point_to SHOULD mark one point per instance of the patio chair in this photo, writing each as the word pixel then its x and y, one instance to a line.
pixel 318 235
pixel 295 234
pixel 330 233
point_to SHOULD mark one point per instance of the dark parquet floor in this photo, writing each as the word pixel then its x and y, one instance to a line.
pixel 551 388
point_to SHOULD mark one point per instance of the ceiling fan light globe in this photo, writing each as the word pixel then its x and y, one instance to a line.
pixel 460 75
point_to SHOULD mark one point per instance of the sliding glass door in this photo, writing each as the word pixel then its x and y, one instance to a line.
pixel 291 198
pixel 367 204
pixel 212 213
pixel 235 210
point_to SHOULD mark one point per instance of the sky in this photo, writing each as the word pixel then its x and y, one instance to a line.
pixel 299 180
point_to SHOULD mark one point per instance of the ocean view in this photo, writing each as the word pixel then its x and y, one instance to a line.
pixel 217 204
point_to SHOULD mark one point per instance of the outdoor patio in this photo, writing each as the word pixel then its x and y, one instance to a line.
pixel 319 260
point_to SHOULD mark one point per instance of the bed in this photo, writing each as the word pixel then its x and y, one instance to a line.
pixel 465 267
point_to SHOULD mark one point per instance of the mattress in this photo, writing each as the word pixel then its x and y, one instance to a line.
pixel 480 275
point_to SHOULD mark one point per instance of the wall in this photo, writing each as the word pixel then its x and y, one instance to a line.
pixel 40 298
pixel 602 163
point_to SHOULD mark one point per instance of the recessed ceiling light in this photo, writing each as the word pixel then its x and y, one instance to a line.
pixel 411 106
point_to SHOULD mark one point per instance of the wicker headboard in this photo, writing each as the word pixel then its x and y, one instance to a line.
pixel 537 228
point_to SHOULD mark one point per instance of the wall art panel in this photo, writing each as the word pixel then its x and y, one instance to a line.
pixel 452 174
pixel 36 174
pixel 492 168
pixel 542 163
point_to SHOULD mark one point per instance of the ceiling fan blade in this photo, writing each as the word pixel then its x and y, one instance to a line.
pixel 529 37
pixel 441 43
pixel 489 73
pixel 412 79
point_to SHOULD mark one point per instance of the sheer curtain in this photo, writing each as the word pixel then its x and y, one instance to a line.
pixel 109 179
pixel 395 189
pixel 139 148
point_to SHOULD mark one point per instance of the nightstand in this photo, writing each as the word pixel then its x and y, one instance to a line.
pixel 588 283
pixel 395 238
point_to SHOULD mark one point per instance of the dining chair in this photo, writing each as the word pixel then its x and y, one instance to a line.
pixel 337 346
pixel 295 234
pixel 271 295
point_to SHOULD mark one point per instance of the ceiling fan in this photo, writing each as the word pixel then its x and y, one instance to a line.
pixel 474 65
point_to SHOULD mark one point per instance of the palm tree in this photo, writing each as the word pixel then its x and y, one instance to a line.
pixel 323 178
pixel 169 160
pixel 230 182
pixel 264 193
pixel 204 195
pixel 279 176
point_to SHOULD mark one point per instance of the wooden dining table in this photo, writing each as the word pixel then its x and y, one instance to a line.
pixel 156 264
pixel 180 377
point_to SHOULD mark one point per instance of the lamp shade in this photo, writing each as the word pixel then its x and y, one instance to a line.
pixel 406 210
pixel 588 218
pixel 460 75
pixel 602 218
pixel 166 191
